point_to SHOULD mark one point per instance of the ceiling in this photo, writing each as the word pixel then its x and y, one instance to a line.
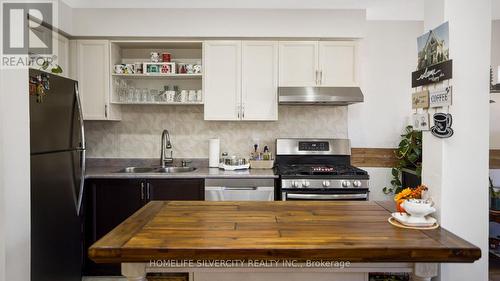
pixel 375 9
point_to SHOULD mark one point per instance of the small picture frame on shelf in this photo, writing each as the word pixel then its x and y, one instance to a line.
pixel 159 68
pixel 151 68
pixel 167 68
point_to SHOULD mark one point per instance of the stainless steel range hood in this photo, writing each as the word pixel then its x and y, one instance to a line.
pixel 320 95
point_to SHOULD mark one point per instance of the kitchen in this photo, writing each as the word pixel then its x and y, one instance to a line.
pixel 246 70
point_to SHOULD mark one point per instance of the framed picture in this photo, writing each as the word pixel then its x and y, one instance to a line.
pixel 433 47
pixel 433 64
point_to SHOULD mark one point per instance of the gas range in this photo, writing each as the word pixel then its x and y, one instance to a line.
pixel 319 169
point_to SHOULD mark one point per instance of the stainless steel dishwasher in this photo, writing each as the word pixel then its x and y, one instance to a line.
pixel 239 189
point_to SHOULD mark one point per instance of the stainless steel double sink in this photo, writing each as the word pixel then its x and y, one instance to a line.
pixel 165 170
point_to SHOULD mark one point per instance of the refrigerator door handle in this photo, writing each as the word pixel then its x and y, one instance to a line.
pixel 82 182
pixel 80 117
pixel 82 151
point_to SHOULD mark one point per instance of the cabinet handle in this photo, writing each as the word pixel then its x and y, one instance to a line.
pixel 317 74
pixel 142 190
pixel 238 111
pixel 321 77
pixel 106 111
pixel 242 112
pixel 148 191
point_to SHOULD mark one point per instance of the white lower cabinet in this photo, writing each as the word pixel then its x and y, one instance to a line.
pixel 241 80
pixel 93 75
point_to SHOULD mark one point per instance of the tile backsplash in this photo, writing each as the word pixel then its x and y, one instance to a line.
pixel 138 135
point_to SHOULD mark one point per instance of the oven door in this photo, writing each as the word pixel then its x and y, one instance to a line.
pixel 324 196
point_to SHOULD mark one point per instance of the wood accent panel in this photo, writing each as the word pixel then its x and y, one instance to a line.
pixel 385 158
pixel 494 158
pixel 373 157
pixel 356 231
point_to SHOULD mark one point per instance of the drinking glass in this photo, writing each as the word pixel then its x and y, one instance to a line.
pixel 154 95
pixel 137 95
pixel 145 95
pixel 130 96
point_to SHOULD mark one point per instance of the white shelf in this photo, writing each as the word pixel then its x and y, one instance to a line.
pixel 158 103
pixel 159 76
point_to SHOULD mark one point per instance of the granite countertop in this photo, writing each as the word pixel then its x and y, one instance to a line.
pixel 109 168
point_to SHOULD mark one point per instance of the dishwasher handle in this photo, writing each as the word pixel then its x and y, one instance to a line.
pixel 240 188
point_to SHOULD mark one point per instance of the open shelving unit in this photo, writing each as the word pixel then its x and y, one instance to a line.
pixel 161 76
pixel 138 51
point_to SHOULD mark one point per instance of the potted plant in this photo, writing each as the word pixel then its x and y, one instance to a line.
pixel 494 197
pixel 408 170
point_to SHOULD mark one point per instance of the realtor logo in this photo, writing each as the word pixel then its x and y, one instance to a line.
pixel 22 36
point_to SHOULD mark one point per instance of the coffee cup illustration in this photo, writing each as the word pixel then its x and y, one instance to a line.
pixel 442 125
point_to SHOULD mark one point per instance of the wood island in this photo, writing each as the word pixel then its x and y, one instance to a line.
pixel 354 232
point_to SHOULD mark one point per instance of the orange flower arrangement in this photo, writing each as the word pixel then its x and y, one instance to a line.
pixel 408 193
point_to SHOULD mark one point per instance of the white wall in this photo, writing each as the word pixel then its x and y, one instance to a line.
pixel 218 23
pixel 14 175
pixel 457 168
pixel 387 56
pixel 495 107
pixel 14 180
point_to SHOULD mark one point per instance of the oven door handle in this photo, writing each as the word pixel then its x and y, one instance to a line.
pixel 326 196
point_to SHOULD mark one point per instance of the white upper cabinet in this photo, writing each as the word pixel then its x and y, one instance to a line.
pixel 222 80
pixel 93 75
pixel 62 53
pixel 312 63
pixel 259 80
pixel 240 80
pixel 298 63
pixel 337 62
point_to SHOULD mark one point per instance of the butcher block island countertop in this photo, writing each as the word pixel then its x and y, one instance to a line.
pixel 354 231
pixel 293 230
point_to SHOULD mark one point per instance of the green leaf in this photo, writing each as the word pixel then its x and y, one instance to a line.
pixel 57 69
pixel 395 172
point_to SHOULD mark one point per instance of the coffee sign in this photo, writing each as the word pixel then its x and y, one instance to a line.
pixel 442 125
pixel 420 99
pixel 440 98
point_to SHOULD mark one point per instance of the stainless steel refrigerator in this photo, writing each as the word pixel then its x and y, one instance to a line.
pixel 57 175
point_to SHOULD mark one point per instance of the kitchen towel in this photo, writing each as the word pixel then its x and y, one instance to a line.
pixel 213 152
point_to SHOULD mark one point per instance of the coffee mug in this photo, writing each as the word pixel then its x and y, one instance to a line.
pixel 155 57
pixel 119 68
pixel 166 57
pixel 138 67
pixel 197 68
pixel 129 69
pixel 442 121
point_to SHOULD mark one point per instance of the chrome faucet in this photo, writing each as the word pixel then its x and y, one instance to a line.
pixel 166 145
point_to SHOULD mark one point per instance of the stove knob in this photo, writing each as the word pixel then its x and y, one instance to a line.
pixel 346 183
pixel 326 183
pixel 305 183
pixel 356 183
pixel 295 184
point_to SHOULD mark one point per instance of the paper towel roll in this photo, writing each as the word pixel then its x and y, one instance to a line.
pixel 213 152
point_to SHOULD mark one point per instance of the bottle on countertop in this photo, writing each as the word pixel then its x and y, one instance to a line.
pixel 266 154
